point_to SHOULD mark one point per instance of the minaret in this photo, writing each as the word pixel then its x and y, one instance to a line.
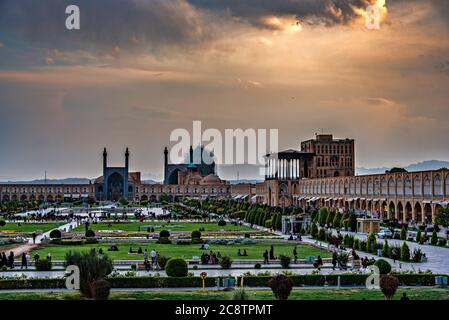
pixel 105 159
pixel 166 165
pixel 191 154
pixel 127 159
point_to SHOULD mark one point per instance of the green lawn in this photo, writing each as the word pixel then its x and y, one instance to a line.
pixel 297 294
pixel 30 227
pixel 254 251
pixel 172 226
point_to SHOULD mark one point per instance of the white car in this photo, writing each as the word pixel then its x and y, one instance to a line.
pixel 384 234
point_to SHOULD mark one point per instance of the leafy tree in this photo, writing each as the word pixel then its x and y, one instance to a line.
pixel 442 217
pixel 388 285
pixel 281 285
pixel 323 212
pixel 385 249
pixel 434 238
pixel 337 220
pixel 418 236
pixel 403 233
pixel 352 222
pixel 123 201
pixel 314 231
pixel 405 252
pixel 371 243
pixel 330 218
pixel 93 268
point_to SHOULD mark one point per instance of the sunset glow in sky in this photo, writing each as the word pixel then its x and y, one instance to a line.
pixel 138 69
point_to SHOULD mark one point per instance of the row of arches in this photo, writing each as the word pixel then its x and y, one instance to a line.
pixel 402 211
pixel 417 185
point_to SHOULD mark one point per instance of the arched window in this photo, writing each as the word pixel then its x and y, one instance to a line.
pixel 447 185
pixel 363 186
pixel 352 187
pixel 370 187
pixel 417 186
pixel 383 186
pixel 400 186
pixel 437 190
pixel 357 186
pixel 391 188
pixel 376 186
pixel 427 187
pixel 408 186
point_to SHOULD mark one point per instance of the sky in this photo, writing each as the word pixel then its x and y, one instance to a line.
pixel 138 69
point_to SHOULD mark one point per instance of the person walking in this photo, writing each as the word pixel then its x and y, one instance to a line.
pixel 11 260
pixel 153 255
pixel 334 260
pixel 272 253
pixel 24 261
pixel 4 260
pixel 265 257
pixel 34 237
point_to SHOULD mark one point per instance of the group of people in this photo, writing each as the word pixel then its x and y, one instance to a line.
pixel 150 262
pixel 8 261
pixel 267 256
pixel 242 254
pixel 211 257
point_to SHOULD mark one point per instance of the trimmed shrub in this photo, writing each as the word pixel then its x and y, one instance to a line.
pixel 257 266
pixel 226 262
pixel 434 238
pixel 383 265
pixel 405 252
pixel 176 268
pixel 281 286
pixel 196 234
pixel 442 242
pixel 55 234
pixel 356 245
pixel 403 233
pixel 417 255
pixel 285 261
pixel 162 261
pixel 43 265
pixel 2 223
pixel 418 236
pixel 221 223
pixel 371 243
pixel 164 234
pixel 90 233
pixel 91 240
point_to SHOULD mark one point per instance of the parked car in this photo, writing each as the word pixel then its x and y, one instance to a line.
pixel 384 234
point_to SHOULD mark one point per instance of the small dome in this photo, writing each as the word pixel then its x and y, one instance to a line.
pixel 211 179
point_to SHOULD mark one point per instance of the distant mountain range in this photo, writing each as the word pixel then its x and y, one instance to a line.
pixel 246 171
pixel 420 166
pixel 53 181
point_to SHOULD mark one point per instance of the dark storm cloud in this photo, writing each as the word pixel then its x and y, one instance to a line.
pixel 324 11
pixel 122 23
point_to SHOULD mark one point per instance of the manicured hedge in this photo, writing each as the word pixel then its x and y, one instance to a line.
pixel 250 281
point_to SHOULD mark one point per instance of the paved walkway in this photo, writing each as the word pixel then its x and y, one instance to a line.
pixel 438 257
pixel 27 247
